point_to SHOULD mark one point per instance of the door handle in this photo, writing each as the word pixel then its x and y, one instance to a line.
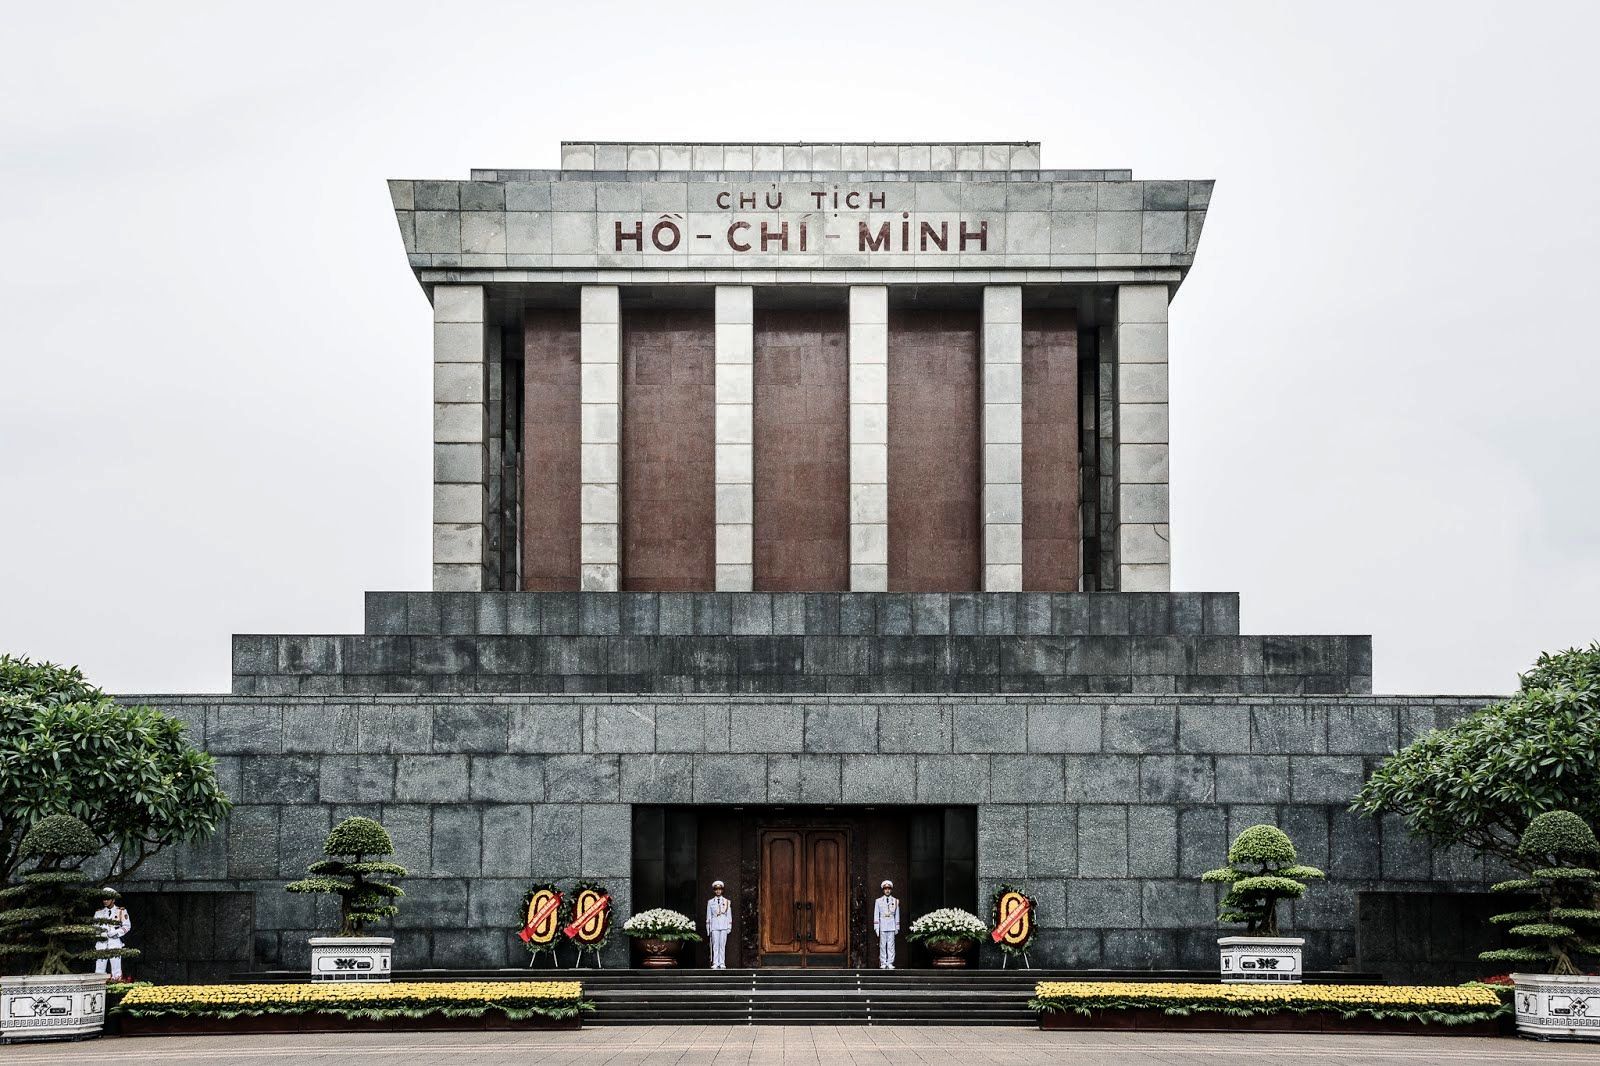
pixel 811 922
pixel 799 921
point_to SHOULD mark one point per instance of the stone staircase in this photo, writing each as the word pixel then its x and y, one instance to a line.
pixel 811 997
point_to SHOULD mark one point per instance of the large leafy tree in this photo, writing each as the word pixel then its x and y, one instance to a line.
pixel 128 773
pixel 1479 782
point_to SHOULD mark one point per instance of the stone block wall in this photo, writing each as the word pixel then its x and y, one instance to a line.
pixel 1107 807
pixel 801 642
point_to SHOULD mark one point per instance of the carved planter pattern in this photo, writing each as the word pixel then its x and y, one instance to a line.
pixel 659 954
pixel 69 1006
pixel 1270 959
pixel 949 952
pixel 1552 1007
pixel 350 958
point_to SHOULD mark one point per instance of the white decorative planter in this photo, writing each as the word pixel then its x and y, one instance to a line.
pixel 1553 1007
pixel 350 958
pixel 1261 958
pixel 70 1006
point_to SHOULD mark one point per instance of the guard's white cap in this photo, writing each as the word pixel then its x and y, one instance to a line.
pixel 887 884
pixel 718 884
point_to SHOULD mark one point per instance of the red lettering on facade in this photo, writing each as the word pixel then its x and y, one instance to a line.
pixel 875 199
pixel 940 239
pixel 735 245
pixel 747 199
pixel 723 200
pixel 671 228
pixel 781 237
pixel 869 243
pixel 982 236
pixel 852 200
pixel 637 236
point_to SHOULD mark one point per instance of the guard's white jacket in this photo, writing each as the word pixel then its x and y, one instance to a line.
pixel 719 914
pixel 886 915
pixel 114 925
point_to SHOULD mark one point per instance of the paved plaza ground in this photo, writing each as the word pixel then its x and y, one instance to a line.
pixel 713 1045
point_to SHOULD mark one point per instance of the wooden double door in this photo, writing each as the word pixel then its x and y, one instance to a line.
pixel 804 902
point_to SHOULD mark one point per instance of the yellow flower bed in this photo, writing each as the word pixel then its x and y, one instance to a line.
pixel 1423 996
pixel 356 999
pixel 1448 1004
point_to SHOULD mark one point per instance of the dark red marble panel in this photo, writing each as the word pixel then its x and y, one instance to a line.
pixel 551 432
pixel 802 451
pixel 668 450
pixel 934 476
pixel 1051 522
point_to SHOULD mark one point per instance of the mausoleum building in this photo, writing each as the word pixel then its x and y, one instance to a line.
pixel 800 520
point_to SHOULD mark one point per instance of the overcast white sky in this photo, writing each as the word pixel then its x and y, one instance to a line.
pixel 214 361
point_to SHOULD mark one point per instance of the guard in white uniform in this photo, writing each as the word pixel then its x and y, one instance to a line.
pixel 114 924
pixel 886 923
pixel 719 921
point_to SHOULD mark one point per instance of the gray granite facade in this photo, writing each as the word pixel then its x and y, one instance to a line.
pixel 1108 808
pixel 812 642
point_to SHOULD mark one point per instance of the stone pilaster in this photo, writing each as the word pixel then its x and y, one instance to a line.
pixel 1002 438
pixel 600 548
pixel 869 438
pixel 735 438
pixel 1144 550
pixel 460 439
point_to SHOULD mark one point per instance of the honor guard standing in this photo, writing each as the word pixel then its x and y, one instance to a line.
pixel 719 921
pixel 886 923
pixel 114 924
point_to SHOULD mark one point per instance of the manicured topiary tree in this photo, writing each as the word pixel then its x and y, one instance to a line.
pixel 1564 922
pixel 352 873
pixel 46 918
pixel 1261 871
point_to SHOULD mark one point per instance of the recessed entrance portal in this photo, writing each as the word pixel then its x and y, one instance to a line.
pixel 802 878
pixel 803 886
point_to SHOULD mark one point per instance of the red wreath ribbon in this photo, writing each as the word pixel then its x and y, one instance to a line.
pixel 1011 919
pixel 599 905
pixel 549 908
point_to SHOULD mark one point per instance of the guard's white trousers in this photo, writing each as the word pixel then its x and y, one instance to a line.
pixel 719 949
pixel 116 964
pixel 886 950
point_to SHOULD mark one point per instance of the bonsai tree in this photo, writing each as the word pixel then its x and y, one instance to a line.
pixel 1564 922
pixel 352 873
pixel 1261 871
pixel 45 919
pixel 1481 781
pixel 129 774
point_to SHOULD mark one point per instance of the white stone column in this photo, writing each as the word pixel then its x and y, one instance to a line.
pixel 869 438
pixel 735 438
pixel 600 356
pixel 460 439
pixel 1144 550
pixel 1002 438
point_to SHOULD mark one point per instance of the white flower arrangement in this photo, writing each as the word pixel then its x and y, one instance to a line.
pixel 661 923
pixel 948 923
